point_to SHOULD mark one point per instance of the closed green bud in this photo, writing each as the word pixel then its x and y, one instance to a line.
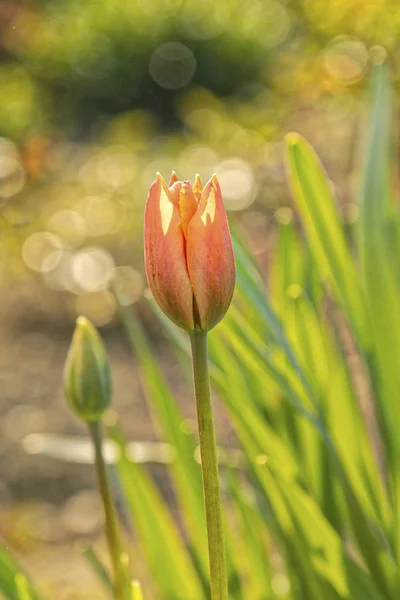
pixel 87 384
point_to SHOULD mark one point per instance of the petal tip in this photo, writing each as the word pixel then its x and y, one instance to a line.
pixel 215 182
pixel 173 179
pixel 198 184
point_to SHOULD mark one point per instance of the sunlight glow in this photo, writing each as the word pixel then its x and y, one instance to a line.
pixel 166 210
pixel 210 208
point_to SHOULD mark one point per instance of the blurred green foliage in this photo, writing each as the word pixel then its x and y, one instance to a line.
pixel 98 96
pixel 95 59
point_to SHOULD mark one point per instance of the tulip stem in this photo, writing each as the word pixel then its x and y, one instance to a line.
pixel 209 466
pixel 111 519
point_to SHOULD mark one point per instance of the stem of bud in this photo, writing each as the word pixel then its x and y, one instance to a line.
pixel 111 520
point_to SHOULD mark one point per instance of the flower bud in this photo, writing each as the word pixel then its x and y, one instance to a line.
pixel 87 383
pixel 189 257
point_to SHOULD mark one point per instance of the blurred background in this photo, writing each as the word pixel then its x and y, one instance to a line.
pixel 96 97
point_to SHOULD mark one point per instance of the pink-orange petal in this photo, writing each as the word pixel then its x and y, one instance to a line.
pixel 173 179
pixel 210 257
pixel 175 192
pixel 197 187
pixel 165 260
pixel 187 205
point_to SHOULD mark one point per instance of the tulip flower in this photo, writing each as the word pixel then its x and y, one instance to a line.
pixel 188 252
pixel 191 271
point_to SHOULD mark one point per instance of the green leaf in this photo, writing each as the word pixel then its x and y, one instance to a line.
pixel 380 274
pixel 99 569
pixel 168 558
pixel 313 196
pixel 22 586
pixel 136 591
pixel 12 576
pixel 185 470
pixel 254 536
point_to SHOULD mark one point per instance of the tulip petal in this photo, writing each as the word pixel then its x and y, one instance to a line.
pixel 197 187
pixel 187 205
pixel 210 258
pixel 173 179
pixel 165 260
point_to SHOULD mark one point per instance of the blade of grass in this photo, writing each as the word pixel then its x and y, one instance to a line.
pixel 380 279
pixel 323 364
pixel 313 196
pixel 166 554
pixel 185 470
pixel 97 566
pixel 23 591
pixel 256 568
pixel 9 570
pixel 136 590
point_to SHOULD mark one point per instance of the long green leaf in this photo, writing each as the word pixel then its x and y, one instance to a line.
pixel 22 585
pixel 166 554
pixel 313 196
pixel 185 470
pixel 10 574
pixel 381 275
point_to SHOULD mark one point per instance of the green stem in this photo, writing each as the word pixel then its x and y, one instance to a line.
pixel 111 520
pixel 209 466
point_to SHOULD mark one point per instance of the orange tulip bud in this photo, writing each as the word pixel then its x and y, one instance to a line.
pixel 189 257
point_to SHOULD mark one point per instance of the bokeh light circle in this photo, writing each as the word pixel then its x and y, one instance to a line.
pixel 60 277
pixel 270 17
pixel 346 59
pixel 197 159
pixel 172 65
pixel 99 307
pixel 92 269
pixel 237 183
pixel 41 251
pixel 70 226
pixel 129 284
pixel 102 215
pixel 110 169
pixel 12 177
pixel 205 21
